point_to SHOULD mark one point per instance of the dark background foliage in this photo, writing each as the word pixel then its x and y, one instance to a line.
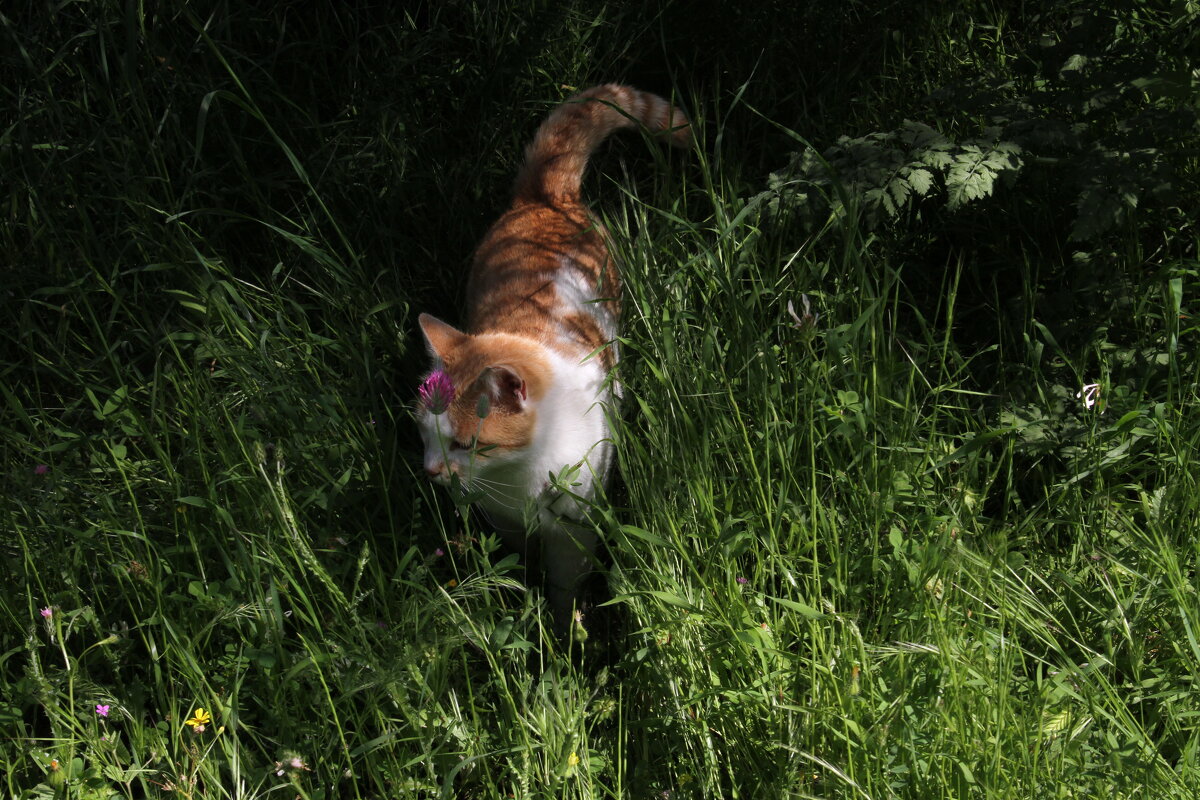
pixel 219 220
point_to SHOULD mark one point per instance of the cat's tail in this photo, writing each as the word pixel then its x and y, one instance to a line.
pixel 558 155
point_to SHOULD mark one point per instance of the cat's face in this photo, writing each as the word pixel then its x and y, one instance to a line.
pixel 478 409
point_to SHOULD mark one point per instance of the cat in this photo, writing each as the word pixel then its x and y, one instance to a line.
pixel 515 404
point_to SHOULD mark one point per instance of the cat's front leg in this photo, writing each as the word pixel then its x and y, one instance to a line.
pixel 568 556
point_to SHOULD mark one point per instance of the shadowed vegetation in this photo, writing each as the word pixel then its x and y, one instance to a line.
pixel 908 502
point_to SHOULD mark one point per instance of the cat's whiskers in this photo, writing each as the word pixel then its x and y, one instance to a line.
pixel 493 489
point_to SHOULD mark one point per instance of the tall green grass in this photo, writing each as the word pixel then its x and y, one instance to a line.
pixel 872 546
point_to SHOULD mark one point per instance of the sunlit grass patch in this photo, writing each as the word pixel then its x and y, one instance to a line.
pixel 908 497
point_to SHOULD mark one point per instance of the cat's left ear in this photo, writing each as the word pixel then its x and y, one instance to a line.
pixel 440 338
pixel 507 389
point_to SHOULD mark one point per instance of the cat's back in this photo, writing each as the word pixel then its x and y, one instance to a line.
pixel 543 270
pixel 539 267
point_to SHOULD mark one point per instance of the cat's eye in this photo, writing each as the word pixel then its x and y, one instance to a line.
pixel 457 445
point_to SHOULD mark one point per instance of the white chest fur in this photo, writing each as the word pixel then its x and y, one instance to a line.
pixel 570 455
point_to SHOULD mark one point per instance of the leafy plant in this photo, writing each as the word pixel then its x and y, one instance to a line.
pixel 883 176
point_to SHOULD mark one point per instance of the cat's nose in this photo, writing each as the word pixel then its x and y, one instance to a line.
pixel 434 471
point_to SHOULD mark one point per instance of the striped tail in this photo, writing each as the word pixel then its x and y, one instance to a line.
pixel 558 155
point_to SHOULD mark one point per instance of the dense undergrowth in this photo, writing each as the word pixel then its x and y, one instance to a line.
pixel 908 502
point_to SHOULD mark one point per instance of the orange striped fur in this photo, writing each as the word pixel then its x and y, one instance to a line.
pixel 548 232
pixel 549 229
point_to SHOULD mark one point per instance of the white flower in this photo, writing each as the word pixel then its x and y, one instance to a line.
pixel 1089 394
pixel 809 319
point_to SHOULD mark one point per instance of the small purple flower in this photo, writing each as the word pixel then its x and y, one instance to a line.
pixel 437 392
pixel 439 552
pixel 46 612
pixel 806 321
pixel 102 710
pixel 742 580
pixel 41 469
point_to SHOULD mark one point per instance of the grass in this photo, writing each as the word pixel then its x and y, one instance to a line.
pixel 877 550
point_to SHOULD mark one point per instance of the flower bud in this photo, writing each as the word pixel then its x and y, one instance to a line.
pixel 437 392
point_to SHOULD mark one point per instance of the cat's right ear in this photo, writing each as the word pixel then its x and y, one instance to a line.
pixel 440 338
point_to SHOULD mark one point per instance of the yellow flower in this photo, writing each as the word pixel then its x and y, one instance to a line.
pixel 572 760
pixel 199 719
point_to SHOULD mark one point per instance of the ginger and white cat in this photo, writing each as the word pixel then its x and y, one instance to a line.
pixel 515 404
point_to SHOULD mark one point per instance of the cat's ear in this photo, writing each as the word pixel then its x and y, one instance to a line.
pixel 440 338
pixel 507 389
